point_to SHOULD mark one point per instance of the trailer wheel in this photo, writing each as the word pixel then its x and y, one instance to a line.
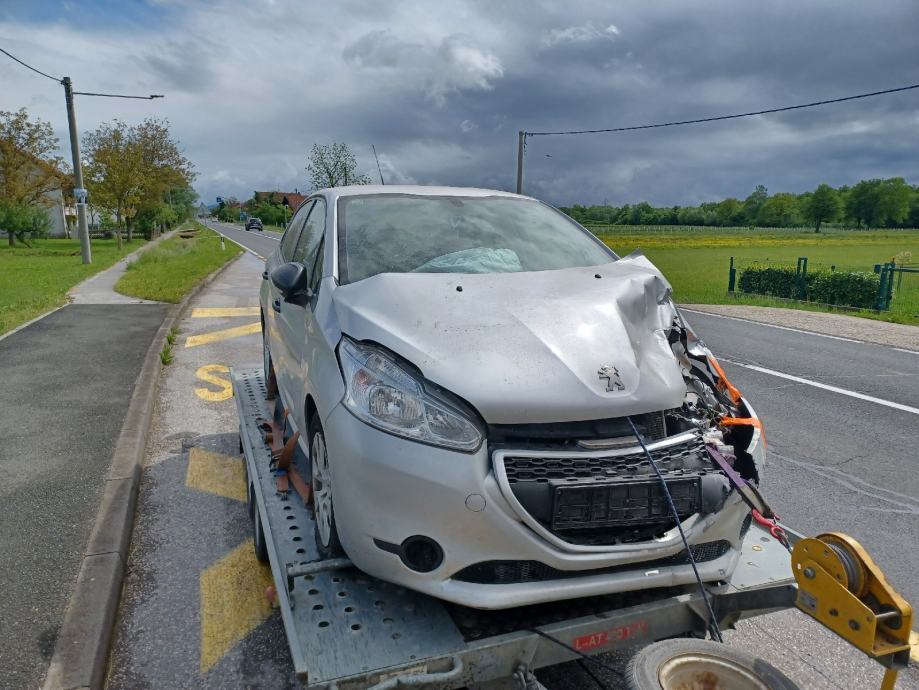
pixel 258 537
pixel 327 541
pixel 250 500
pixel 684 663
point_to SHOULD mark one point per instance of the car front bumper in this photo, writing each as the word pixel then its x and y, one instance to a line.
pixel 387 489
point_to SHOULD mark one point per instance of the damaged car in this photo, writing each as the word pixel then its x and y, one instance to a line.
pixel 480 386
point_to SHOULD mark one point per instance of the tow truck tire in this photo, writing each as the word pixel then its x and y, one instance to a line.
pixel 327 542
pixel 685 663
pixel 258 538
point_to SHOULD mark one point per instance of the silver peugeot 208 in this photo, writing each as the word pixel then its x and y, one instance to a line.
pixel 474 374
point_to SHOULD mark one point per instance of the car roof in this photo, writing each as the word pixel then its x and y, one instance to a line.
pixel 333 193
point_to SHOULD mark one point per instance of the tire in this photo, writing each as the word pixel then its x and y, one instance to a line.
pixel 326 531
pixel 267 364
pixel 250 501
pixel 258 538
pixel 685 663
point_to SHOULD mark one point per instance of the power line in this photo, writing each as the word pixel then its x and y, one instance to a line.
pixel 115 95
pixel 10 55
pixel 725 117
pixel 77 93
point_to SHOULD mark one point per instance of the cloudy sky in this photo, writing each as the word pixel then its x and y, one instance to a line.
pixel 441 88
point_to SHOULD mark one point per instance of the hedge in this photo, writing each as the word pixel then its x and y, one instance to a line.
pixel 843 288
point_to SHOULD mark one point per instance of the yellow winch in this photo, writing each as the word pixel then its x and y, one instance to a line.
pixel 840 586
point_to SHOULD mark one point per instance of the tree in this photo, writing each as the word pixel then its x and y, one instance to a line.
pixel 821 207
pixel 132 169
pixel 333 165
pixel 29 170
pixel 24 221
pixel 780 210
pixel 730 212
pixel 752 203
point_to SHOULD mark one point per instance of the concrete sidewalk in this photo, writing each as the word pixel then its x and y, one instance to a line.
pixel 100 288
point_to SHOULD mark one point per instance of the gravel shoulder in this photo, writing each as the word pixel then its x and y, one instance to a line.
pixel 868 330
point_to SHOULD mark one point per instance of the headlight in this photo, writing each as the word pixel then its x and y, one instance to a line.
pixel 383 394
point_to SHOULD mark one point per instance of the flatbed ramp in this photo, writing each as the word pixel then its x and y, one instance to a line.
pixel 347 630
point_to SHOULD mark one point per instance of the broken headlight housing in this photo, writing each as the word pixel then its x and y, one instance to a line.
pixel 385 394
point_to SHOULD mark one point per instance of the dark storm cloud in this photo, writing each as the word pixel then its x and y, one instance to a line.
pixel 182 65
pixel 441 90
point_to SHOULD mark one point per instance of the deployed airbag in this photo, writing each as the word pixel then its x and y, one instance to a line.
pixel 476 260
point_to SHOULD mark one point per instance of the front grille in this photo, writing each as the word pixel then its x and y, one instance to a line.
pixel 517 572
pixel 576 467
pixel 606 498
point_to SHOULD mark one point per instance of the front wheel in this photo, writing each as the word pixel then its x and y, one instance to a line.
pixel 682 663
pixel 327 542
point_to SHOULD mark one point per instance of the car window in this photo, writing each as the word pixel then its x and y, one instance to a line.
pixel 305 251
pixel 289 240
pixel 402 233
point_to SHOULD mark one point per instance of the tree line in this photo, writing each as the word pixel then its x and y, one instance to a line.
pixel 137 177
pixel 875 203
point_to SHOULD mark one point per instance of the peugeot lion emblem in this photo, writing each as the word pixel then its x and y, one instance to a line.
pixel 613 380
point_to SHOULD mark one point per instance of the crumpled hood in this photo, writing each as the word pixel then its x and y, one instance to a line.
pixel 527 347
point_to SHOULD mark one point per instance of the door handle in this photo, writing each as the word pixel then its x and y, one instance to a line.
pixel 264 275
pixel 276 305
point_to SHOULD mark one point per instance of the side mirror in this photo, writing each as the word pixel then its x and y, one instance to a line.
pixel 290 280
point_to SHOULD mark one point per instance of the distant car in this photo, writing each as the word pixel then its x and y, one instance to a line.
pixel 254 224
pixel 469 371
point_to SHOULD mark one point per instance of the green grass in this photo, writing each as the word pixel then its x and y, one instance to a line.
pixel 696 262
pixel 35 280
pixel 168 271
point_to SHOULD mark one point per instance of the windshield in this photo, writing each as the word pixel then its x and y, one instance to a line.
pixel 450 234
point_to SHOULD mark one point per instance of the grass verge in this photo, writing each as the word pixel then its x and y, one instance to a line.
pixel 168 271
pixel 35 280
pixel 696 263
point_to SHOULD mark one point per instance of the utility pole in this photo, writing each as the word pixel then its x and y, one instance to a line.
pixel 79 192
pixel 521 144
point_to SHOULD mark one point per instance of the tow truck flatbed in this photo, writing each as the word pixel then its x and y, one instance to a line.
pixel 347 630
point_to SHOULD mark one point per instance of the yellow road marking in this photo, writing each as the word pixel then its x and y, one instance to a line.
pixel 914 641
pixel 209 373
pixel 211 312
pixel 225 334
pixel 233 602
pixel 217 474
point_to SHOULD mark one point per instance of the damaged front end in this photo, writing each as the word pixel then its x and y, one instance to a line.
pixel 588 487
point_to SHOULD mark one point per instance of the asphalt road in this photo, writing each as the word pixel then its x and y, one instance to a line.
pixel 262 244
pixel 67 380
pixel 840 459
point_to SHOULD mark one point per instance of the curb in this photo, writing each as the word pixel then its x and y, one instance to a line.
pixel 81 650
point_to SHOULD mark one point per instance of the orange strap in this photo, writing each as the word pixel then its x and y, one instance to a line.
pixel 728 386
pixel 745 421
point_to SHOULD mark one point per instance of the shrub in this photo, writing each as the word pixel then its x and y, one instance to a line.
pixel 846 289
pixel 841 288
pixel 768 280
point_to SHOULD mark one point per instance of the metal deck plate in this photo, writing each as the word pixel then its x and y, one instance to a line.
pixel 341 623
pixel 764 562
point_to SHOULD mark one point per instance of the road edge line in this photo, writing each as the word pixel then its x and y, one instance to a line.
pixel 81 650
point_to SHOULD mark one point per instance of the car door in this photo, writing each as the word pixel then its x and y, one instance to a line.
pixel 273 310
pixel 295 319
